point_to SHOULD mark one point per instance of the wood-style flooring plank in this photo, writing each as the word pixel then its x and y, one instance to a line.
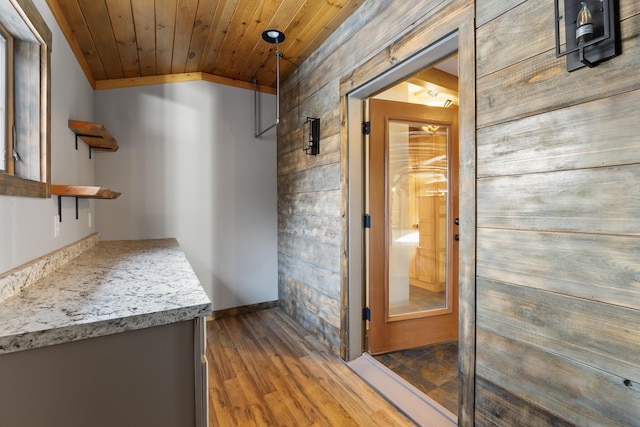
pixel 265 370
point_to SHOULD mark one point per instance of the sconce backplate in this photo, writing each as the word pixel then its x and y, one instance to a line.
pixel 602 50
pixel 312 136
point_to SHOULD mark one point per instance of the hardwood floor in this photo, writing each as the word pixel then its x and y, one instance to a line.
pixel 265 370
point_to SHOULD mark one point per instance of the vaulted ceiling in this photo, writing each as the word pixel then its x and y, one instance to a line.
pixel 121 43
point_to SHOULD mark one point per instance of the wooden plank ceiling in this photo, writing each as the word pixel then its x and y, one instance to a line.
pixel 122 43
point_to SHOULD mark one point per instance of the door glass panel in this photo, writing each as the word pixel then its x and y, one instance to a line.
pixel 417 201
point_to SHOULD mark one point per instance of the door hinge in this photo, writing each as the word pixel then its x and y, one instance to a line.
pixel 366 313
pixel 366 128
pixel 366 221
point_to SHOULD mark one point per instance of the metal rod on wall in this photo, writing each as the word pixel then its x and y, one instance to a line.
pixel 271 36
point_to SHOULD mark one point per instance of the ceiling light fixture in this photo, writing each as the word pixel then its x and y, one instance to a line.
pixel 430 129
pixel 273 36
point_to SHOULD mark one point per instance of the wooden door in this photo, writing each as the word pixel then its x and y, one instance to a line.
pixel 413 201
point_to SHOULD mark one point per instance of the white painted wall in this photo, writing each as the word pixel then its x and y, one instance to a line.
pixel 189 167
pixel 27 224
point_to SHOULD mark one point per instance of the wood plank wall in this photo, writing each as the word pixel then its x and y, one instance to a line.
pixel 311 218
pixel 558 208
pixel 558 216
pixel 309 187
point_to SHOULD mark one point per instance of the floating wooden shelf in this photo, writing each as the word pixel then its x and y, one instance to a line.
pixel 83 191
pixel 94 135
pixel 80 192
pixel 97 138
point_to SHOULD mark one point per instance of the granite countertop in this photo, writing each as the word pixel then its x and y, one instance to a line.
pixel 114 286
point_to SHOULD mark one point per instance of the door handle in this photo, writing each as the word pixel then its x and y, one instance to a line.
pixel 456 221
pixel 457 237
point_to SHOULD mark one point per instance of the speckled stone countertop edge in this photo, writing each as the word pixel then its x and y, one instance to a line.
pixel 113 287
pixel 17 279
pixel 44 338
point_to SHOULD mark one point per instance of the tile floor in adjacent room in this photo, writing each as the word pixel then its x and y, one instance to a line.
pixel 433 369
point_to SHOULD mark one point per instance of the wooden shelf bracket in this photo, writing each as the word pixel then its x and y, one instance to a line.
pixel 60 208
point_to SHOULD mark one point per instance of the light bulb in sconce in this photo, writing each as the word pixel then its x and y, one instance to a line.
pixel 584 25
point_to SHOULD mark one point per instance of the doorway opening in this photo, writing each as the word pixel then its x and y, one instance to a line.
pixel 412 252
pixel 409 255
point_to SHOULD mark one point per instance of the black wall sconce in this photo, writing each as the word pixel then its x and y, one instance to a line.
pixel 311 135
pixel 592 31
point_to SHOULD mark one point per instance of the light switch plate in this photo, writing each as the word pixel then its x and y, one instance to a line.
pixel 56 226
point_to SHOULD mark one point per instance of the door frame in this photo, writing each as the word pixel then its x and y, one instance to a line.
pixel 453 35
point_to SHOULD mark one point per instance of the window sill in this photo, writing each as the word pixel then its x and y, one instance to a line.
pixel 14 186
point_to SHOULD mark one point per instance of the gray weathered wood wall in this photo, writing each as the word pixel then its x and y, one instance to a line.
pixel 311 189
pixel 558 208
pixel 558 215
